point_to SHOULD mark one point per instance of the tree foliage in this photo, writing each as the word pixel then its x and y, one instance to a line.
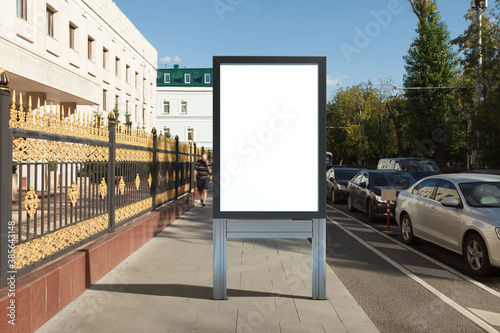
pixel 430 62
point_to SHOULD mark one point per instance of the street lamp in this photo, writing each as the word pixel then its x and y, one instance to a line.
pixel 479 6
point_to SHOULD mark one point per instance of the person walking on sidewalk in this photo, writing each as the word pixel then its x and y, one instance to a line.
pixel 202 172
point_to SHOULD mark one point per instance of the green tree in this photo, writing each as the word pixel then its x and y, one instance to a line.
pixel 430 62
pixel 98 118
pixel 354 121
pixel 117 113
pixel 128 122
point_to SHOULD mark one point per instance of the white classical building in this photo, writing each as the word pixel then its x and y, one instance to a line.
pixel 82 54
pixel 184 104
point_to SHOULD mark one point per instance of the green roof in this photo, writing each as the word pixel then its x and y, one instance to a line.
pixel 176 77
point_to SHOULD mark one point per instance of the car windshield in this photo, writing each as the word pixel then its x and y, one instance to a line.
pixel 393 179
pixel 482 194
pixel 420 166
pixel 345 174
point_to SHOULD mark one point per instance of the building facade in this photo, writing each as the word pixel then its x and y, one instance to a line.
pixel 82 54
pixel 184 104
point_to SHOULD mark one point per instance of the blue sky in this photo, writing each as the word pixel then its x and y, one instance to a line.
pixel 190 32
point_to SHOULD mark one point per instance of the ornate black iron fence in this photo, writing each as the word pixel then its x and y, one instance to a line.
pixel 76 177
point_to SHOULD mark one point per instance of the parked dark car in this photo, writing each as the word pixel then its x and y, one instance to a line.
pixel 418 167
pixel 365 189
pixel 336 182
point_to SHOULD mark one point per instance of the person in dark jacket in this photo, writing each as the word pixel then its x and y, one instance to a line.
pixel 202 171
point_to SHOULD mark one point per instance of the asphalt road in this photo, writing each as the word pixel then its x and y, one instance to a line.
pixel 422 288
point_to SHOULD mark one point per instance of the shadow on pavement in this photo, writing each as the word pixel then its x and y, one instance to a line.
pixel 183 290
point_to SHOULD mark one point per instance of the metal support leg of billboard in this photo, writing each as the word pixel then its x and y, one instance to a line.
pixel 315 229
pixel 220 241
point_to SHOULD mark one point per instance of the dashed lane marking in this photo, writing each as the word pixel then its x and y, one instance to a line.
pixel 359 229
pixel 460 309
pixel 449 269
pixel 432 272
pixel 387 246
pixel 492 318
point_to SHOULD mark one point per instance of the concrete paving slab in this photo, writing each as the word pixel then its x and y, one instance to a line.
pixel 166 286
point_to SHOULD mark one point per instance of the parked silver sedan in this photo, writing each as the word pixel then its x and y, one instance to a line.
pixel 460 212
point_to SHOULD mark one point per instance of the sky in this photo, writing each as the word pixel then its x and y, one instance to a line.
pixel 362 39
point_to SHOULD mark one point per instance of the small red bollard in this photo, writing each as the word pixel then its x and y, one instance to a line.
pixel 388 215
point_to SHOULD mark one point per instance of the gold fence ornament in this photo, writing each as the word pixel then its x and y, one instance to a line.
pixel 103 188
pixel 150 180
pixel 73 194
pixel 159 178
pixel 137 181
pixel 30 202
pixel 121 186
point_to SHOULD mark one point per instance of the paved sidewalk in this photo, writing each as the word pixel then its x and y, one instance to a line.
pixel 166 286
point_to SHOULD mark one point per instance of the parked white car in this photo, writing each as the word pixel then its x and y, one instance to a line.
pixel 460 212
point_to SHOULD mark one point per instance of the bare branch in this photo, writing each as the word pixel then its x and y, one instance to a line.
pixel 415 8
pixel 425 3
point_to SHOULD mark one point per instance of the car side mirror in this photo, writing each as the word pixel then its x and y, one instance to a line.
pixel 363 184
pixel 451 203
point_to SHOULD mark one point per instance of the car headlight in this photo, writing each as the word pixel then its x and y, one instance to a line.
pixel 497 230
pixel 379 198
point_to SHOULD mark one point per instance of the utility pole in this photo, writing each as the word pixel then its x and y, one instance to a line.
pixel 479 6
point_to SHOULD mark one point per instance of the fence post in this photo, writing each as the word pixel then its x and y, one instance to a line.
pixel 176 167
pixel 154 170
pixel 111 170
pixel 5 177
pixel 202 150
pixel 190 166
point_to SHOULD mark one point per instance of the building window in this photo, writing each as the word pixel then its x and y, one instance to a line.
pixel 166 78
pixel 166 131
pixel 136 80
pixel 166 107
pixel 117 101
pixel 90 48
pixel 117 67
pixel 72 36
pixel 151 90
pixel 184 107
pixel 22 9
pixel 104 97
pixel 143 116
pixel 50 22
pixel 127 74
pixel 187 78
pixel 126 108
pixel 105 58
pixel 136 115
pixel 144 86
pixel 190 134
pixel 207 78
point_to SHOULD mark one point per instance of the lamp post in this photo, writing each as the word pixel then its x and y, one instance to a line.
pixel 479 6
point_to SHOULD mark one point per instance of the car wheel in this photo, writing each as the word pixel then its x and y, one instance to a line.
pixel 476 255
pixel 334 199
pixel 372 217
pixel 407 230
pixel 350 207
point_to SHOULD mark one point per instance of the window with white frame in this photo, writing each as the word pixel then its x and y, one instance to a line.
pixel 166 78
pixel 166 131
pixel 22 9
pixel 50 21
pixel 90 48
pixel 127 74
pixel 117 67
pixel 190 134
pixel 73 36
pixel 207 78
pixel 105 58
pixel 187 78
pixel 184 107
pixel 104 98
pixel 166 107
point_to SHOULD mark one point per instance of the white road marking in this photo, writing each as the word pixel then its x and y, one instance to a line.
pixel 466 313
pixel 432 272
pixel 449 269
pixel 387 246
pixel 342 218
pixel 359 229
pixel 491 317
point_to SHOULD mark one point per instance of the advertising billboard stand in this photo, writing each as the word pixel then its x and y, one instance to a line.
pixel 269 135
